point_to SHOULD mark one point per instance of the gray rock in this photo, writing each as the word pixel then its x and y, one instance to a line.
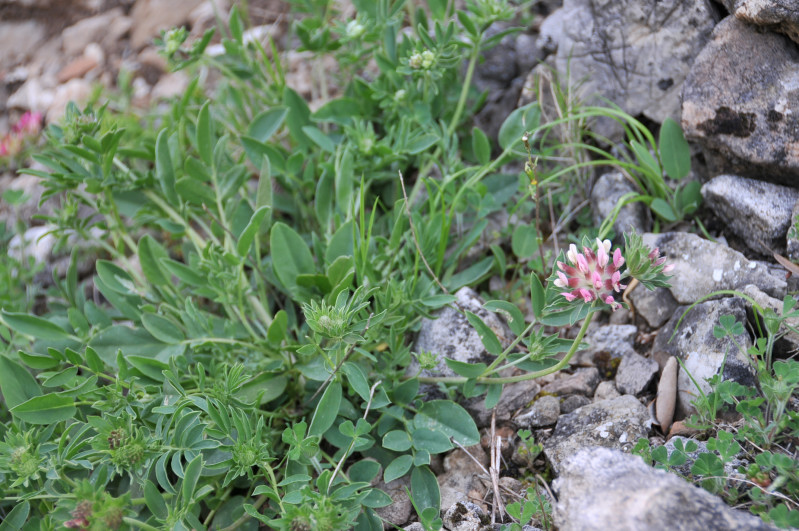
pixel 18 40
pixel 583 381
pixel 570 403
pixel 635 53
pixel 655 306
pixel 401 508
pixel 544 412
pixel 606 391
pixel 616 423
pixel 635 373
pixel 779 15
pixel 606 191
pixel 702 267
pixel 451 335
pixel 514 397
pixel 105 29
pixel 757 211
pixel 792 247
pixel 601 489
pixel 606 343
pixel 464 479
pixel 416 526
pixel 464 516
pixel 741 103
pixel 701 352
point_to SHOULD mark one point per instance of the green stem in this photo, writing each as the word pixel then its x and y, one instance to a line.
pixel 136 523
pixel 504 353
pixel 522 377
pixel 453 124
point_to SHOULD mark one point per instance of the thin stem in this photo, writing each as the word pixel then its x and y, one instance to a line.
pixel 522 377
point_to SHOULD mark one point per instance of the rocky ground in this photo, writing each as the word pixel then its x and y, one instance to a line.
pixel 729 72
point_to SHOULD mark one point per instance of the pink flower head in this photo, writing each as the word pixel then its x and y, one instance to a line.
pixel 29 124
pixel 591 275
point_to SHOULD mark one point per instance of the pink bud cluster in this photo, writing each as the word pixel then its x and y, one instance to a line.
pixel 592 276
pixel 28 126
pixel 658 260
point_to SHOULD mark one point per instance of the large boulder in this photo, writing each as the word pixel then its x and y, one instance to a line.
pixel 636 53
pixel 779 15
pixel 741 103
pixel 601 488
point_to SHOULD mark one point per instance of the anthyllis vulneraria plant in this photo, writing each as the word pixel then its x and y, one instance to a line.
pixel 590 281
pixel 592 276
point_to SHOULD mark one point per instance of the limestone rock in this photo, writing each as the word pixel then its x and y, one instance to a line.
pixel 401 509
pixel 741 103
pixel 616 423
pixel 570 403
pixel 635 373
pixel 19 39
pixel 702 267
pixel 605 391
pixel 757 211
pixel 655 306
pixel 464 516
pixel 152 16
pixel 544 412
pixel 701 352
pixel 514 397
pixel 606 191
pixel 105 29
pixel 463 478
pixel 583 381
pixel 788 342
pixel 451 335
pixel 635 53
pixel 601 488
pixel 780 15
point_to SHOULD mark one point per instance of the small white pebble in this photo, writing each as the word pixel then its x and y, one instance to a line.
pixel 737 265
pixel 717 273
pixel 623 438
pixel 752 265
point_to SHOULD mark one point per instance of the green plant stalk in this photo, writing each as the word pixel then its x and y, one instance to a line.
pixel 504 353
pixel 467 83
pixel 522 377
pixel 136 523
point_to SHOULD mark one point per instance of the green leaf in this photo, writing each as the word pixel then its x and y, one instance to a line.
pixel 493 395
pixel 357 379
pixel 115 277
pixel 538 297
pixel 471 274
pixel 524 241
pixel 263 196
pixel 468 370
pixel 290 256
pixel 205 135
pixel 487 336
pixel 420 143
pixel 251 230
pixel 340 111
pixel 449 418
pixel 674 150
pixel 45 409
pixel 513 316
pixel 266 385
pixel 185 273
pixel 326 410
pixel 646 160
pixel 481 146
pixel 319 138
pixel 190 478
pixel 424 488
pixel 16 517
pixel 266 123
pixel 155 500
pixel 397 440
pixel 398 468
pixel 299 115
pixel 16 383
pixel 164 170
pixel 150 254
pixel 162 329
pixel 663 209
pixel 708 464
pixel 37 362
pixel 131 341
pixel 277 330
pixel 37 327
pixel 434 442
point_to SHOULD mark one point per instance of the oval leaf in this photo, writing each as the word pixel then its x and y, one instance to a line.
pixel 449 418
pixel 34 326
pixel 487 336
pixel 326 410
pixel 45 409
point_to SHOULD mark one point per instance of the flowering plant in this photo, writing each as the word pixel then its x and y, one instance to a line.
pixel 22 133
